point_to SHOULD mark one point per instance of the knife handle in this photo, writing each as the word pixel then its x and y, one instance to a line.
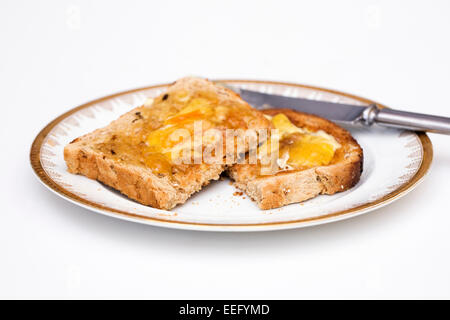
pixel 406 120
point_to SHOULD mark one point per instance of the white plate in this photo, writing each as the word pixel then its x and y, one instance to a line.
pixel 394 162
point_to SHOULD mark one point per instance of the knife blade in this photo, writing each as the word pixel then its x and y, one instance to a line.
pixel 349 114
pixel 333 111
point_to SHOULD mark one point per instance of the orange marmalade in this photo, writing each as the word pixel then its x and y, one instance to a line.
pixel 147 138
pixel 300 148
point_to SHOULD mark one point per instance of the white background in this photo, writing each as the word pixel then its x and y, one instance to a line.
pixel 55 55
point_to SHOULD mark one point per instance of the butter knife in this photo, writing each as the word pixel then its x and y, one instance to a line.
pixel 350 114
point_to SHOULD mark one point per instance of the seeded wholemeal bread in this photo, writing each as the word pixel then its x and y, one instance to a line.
pixel 118 155
pixel 291 186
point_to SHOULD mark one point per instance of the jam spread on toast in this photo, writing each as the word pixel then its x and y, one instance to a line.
pixel 151 137
pixel 300 148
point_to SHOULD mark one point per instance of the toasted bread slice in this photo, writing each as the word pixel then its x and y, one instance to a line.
pixel 119 154
pixel 291 186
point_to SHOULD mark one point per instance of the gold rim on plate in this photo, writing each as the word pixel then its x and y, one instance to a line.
pixel 35 158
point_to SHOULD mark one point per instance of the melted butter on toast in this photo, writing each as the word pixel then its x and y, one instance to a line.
pixel 149 138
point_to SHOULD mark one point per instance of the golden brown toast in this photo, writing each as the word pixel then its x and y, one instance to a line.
pixel 297 185
pixel 130 154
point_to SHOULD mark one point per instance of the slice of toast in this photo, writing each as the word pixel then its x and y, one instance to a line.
pixel 291 186
pixel 119 155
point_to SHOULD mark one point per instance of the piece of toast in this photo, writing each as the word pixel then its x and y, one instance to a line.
pixel 286 187
pixel 113 155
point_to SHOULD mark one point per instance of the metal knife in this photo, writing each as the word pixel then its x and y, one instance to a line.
pixel 350 114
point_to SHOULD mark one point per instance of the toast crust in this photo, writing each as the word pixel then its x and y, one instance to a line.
pixel 138 183
pixel 288 187
pixel 100 156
